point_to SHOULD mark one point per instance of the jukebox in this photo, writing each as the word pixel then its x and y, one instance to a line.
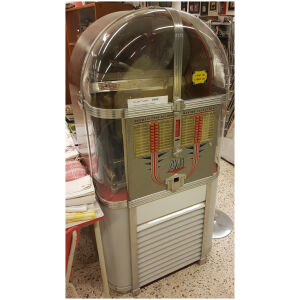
pixel 148 90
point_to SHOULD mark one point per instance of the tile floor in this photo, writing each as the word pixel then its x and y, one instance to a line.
pixel 215 279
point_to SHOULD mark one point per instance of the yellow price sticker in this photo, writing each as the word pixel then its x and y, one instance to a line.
pixel 199 77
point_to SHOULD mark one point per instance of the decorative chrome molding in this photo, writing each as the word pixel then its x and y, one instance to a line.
pixel 201 102
pixel 113 204
pixel 133 250
pixel 178 51
pixel 131 84
pixel 165 193
pixel 103 113
pixel 147 110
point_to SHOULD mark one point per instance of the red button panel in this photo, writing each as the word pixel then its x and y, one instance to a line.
pixel 198 129
pixel 154 137
pixel 177 128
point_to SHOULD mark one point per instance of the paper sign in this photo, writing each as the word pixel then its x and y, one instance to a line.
pixel 147 100
pixel 199 77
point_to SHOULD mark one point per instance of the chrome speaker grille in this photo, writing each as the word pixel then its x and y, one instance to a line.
pixel 169 243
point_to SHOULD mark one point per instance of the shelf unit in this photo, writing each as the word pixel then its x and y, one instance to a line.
pixel 227 39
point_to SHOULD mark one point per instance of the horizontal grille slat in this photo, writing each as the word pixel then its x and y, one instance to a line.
pixel 173 228
pixel 177 220
pixel 173 234
pixel 162 253
pixel 162 263
pixel 169 243
pixel 180 264
pixel 172 240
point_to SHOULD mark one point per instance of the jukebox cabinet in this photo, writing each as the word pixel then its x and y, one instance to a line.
pixel 148 90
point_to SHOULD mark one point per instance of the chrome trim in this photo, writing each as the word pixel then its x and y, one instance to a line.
pixel 133 250
pixel 88 140
pixel 205 222
pixel 103 113
pixel 165 193
pixel 178 51
pixel 113 204
pixel 131 84
pixel 152 109
pixel 201 102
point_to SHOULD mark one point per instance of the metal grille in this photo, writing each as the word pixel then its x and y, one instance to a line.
pixel 169 244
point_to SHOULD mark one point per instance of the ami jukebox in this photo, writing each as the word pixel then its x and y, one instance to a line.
pixel 148 90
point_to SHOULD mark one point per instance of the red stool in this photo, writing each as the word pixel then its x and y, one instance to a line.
pixel 72 239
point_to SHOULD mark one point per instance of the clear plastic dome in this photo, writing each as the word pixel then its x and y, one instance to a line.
pixel 134 57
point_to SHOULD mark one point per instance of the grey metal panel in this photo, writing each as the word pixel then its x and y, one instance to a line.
pixel 141 184
pixel 210 205
pixel 182 263
pixel 116 247
pixel 175 202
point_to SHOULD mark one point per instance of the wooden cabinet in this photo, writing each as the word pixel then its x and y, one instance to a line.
pixel 78 19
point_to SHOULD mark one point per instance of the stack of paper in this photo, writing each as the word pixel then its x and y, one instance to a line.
pixel 80 191
pixel 93 211
pixel 81 205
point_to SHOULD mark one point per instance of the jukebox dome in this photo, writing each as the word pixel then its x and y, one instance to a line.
pixel 133 57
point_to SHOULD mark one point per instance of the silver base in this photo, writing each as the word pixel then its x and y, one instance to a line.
pixel 222 225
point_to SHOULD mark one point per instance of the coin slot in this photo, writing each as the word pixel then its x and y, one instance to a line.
pixel 176 179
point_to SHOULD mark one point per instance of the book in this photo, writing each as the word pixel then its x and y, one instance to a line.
pixel 96 208
pixel 72 217
pixel 79 187
pixel 88 199
pixel 76 208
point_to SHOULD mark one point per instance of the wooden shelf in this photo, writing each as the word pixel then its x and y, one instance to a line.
pixel 80 7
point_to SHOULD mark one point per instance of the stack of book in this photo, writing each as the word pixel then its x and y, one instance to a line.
pixel 81 204
pixel 83 214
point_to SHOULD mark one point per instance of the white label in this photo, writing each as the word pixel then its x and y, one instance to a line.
pixel 146 101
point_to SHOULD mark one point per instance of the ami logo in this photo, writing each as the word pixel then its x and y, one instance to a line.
pixel 176 165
